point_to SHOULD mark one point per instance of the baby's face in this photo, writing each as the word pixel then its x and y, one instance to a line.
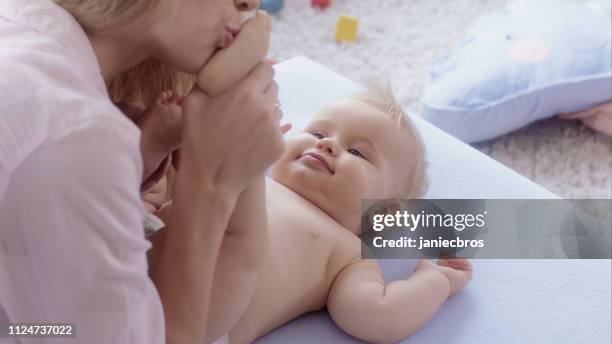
pixel 349 151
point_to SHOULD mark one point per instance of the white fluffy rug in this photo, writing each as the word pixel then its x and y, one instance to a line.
pixel 398 39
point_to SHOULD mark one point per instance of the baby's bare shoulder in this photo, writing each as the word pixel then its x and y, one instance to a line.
pixel 295 218
pixel 346 250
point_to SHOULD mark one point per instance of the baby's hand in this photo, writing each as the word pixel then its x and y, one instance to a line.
pixel 161 127
pixel 162 123
pixel 154 197
pixel 458 271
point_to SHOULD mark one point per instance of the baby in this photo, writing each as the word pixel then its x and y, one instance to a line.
pixel 357 148
pixel 299 230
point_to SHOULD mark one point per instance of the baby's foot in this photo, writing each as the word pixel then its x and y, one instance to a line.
pixel 231 65
pixel 458 271
pixel 161 128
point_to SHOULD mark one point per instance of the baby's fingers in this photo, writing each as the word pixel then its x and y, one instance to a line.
pixel 425 264
pixel 456 263
pixel 285 128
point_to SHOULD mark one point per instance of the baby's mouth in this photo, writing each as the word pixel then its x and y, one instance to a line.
pixel 317 160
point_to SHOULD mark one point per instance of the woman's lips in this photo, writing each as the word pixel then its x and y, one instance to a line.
pixel 233 31
pixel 317 161
pixel 226 39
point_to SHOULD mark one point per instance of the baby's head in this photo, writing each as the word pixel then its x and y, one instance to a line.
pixel 355 148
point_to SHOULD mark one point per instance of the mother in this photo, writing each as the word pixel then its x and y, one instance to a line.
pixel 72 247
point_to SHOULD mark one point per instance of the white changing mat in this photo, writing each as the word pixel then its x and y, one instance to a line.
pixel 508 301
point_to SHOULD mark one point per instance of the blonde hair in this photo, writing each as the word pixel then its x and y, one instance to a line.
pixel 145 81
pixel 379 93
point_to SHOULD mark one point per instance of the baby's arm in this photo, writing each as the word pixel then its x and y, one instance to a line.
pixel 364 306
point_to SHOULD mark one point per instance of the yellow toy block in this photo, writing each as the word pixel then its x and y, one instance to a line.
pixel 346 28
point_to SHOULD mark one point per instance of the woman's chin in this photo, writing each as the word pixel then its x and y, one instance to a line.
pixel 189 64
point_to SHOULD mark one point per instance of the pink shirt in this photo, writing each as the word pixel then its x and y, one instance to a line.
pixel 72 246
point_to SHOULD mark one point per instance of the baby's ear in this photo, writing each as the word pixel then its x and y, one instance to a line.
pixel 384 207
pixel 392 206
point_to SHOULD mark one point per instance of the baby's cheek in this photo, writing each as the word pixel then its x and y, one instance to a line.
pixel 364 181
pixel 382 185
pixel 298 144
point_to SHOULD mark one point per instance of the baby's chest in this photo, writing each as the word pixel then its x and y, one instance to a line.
pixel 312 249
pixel 304 235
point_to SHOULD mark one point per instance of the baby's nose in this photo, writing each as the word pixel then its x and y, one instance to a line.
pixel 328 145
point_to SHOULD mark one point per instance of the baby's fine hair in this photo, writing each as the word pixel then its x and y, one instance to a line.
pixel 379 93
pixel 143 82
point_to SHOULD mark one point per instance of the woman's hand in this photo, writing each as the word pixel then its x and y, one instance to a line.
pixel 233 138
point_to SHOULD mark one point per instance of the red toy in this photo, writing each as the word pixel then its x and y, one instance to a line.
pixel 320 3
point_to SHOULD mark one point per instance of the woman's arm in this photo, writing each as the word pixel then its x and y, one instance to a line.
pixel 72 246
pixel 228 142
pixel 185 257
pixel 243 248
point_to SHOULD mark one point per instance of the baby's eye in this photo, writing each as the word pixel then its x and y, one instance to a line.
pixel 356 152
pixel 317 135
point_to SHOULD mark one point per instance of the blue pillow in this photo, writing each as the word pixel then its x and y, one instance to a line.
pixel 527 62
